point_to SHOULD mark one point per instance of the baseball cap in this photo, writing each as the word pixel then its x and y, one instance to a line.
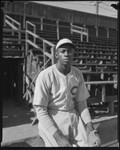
pixel 64 41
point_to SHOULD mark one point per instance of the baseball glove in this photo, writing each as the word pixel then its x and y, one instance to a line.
pixel 94 139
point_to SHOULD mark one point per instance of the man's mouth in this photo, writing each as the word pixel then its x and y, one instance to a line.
pixel 67 59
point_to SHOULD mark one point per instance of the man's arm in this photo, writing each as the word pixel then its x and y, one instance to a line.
pixel 41 102
pixel 92 134
pixel 48 123
pixel 85 115
pixel 61 140
pixel 45 119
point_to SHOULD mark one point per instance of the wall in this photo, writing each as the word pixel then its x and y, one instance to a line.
pixel 52 12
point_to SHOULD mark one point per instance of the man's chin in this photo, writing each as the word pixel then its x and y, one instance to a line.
pixel 67 63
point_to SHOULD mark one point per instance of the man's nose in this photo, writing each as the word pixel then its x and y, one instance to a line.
pixel 66 53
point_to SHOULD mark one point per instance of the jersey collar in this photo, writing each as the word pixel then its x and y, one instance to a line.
pixel 60 74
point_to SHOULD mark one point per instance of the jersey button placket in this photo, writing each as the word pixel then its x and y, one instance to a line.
pixel 67 91
pixel 68 100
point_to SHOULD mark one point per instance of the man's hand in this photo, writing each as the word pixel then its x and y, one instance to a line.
pixel 94 139
pixel 93 136
pixel 61 140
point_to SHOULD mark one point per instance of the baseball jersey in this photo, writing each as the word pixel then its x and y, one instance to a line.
pixel 57 91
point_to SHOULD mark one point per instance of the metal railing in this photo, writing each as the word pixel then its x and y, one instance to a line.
pixel 33 43
pixel 82 31
pixel 103 83
pixel 47 56
pixel 15 25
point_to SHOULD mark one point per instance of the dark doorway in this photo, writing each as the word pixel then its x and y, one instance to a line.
pixel 11 74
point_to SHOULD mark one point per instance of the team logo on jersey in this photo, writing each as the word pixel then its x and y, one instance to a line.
pixel 74 90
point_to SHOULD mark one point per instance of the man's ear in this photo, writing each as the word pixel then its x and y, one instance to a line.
pixel 56 54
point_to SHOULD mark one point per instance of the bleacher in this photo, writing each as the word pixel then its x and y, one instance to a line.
pixel 13 39
pixel 97 58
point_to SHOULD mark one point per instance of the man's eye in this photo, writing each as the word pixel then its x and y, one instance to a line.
pixel 63 51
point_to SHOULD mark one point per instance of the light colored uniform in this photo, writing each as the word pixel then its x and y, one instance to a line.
pixel 57 95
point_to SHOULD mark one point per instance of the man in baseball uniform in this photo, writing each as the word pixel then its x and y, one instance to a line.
pixel 60 103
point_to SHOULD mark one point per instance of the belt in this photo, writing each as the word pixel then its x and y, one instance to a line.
pixel 64 110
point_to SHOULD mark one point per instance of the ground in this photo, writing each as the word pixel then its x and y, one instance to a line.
pixel 18 130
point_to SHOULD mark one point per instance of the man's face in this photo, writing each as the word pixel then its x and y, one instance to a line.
pixel 65 54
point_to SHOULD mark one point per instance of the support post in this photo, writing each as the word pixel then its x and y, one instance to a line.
pixel 111 107
pixel 26 52
pixel 96 27
pixel 88 79
pixel 30 64
pixel 44 56
pixel 107 32
pixel 12 31
pixel 87 35
pixel 71 27
pixel 19 34
pixel 34 28
pixel 24 15
pixel 53 54
pixel 103 93
pixel 57 22
pixel 81 37
pixel 41 26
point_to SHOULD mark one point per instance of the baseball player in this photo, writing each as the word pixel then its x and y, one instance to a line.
pixel 60 103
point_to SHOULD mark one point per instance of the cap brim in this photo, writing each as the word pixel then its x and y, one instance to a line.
pixel 71 44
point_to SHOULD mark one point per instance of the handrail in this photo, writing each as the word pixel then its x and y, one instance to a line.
pixel 30 23
pixel 33 43
pixel 48 42
pixel 12 25
pixel 81 30
pixel 12 19
pixel 46 55
pixel 35 35
pixel 31 33
pixel 34 29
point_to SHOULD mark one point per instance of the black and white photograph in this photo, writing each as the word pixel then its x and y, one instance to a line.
pixel 60 73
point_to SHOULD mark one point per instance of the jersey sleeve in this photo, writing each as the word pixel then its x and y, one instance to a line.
pixel 41 92
pixel 82 93
pixel 40 102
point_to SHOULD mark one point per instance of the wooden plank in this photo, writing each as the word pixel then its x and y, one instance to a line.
pixel 91 64
pixel 91 72
pixel 13 39
pixel 93 100
pixel 12 30
pixel 113 97
pixel 100 82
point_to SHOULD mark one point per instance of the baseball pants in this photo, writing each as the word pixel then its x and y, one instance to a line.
pixel 70 125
